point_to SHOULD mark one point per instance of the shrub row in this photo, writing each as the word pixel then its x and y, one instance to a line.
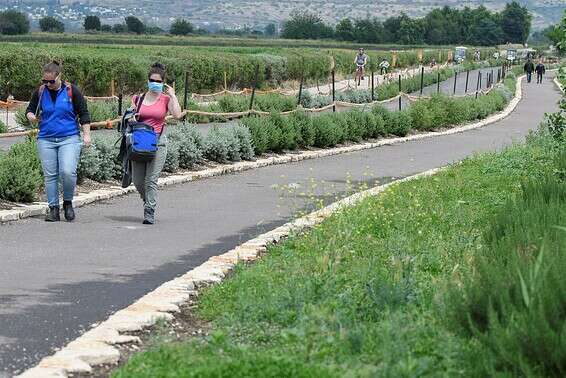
pixel 93 69
pixel 276 133
pixel 186 148
pixel 20 173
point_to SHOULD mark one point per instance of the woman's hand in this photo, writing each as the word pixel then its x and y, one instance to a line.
pixel 87 141
pixel 31 117
pixel 169 90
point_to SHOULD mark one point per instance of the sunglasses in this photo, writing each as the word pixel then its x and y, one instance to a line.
pixel 155 81
pixel 48 81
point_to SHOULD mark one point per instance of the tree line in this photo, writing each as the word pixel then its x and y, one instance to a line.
pixel 442 26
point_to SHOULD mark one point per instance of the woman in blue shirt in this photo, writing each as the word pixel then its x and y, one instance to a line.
pixel 56 106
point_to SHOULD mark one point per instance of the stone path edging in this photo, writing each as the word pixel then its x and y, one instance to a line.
pixel 97 346
pixel 559 84
pixel 37 209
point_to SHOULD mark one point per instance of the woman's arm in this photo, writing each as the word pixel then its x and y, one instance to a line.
pixel 32 107
pixel 80 107
pixel 174 107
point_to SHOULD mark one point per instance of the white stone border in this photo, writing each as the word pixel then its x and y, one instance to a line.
pixel 37 209
pixel 98 345
pixel 559 84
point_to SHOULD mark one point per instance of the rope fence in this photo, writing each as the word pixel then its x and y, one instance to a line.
pixel 109 124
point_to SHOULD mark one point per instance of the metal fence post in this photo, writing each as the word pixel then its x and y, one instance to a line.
pixel 400 92
pixel 467 80
pixel 333 91
pixel 455 81
pixel 438 82
pixel 300 91
pixel 422 79
pixel 372 86
pixel 478 84
pixel 186 94
pixel 120 98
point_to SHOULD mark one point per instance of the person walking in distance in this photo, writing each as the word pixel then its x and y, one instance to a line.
pixel 540 70
pixel 56 106
pixel 360 61
pixel 152 107
pixel 529 67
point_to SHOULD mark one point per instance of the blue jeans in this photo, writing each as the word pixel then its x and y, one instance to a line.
pixel 59 159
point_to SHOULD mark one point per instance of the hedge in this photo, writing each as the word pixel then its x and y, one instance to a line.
pixel 93 68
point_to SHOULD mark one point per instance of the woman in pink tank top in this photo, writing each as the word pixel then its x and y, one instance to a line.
pixel 153 110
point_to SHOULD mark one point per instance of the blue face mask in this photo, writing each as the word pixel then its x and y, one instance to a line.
pixel 155 87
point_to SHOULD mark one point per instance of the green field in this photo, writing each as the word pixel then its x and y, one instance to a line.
pixel 93 61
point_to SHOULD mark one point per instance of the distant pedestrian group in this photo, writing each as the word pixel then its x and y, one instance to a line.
pixel 529 68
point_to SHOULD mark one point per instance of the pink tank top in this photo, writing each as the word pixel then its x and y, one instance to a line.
pixel 154 114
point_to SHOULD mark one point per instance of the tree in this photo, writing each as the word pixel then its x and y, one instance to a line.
pixel 515 23
pixel 487 33
pixel 368 31
pixel 92 23
pixel 13 22
pixel 134 25
pixel 345 30
pixel 411 31
pixel 154 30
pixel 119 28
pixel 443 26
pixel 270 30
pixel 106 28
pixel 181 27
pixel 391 28
pixel 306 26
pixel 561 34
pixel 51 25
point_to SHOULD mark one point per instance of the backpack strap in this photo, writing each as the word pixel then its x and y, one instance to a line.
pixel 139 102
pixel 40 92
pixel 69 90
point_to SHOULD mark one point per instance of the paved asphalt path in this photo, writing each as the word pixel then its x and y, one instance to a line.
pixel 58 279
pixel 446 87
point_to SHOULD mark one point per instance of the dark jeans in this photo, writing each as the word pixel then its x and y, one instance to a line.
pixel 539 78
pixel 529 76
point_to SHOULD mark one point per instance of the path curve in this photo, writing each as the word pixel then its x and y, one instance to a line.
pixel 58 279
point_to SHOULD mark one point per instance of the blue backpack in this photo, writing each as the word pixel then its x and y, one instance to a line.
pixel 140 139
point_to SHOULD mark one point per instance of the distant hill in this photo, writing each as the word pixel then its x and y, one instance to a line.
pixel 238 13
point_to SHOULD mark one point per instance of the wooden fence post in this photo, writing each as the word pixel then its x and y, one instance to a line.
pixel 254 86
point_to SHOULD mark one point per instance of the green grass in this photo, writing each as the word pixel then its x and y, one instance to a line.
pixel 373 291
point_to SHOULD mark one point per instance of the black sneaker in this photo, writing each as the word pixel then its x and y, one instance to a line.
pixel 53 214
pixel 69 211
pixel 148 216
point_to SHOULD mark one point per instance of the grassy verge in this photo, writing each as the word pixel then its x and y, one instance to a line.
pixel 455 274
